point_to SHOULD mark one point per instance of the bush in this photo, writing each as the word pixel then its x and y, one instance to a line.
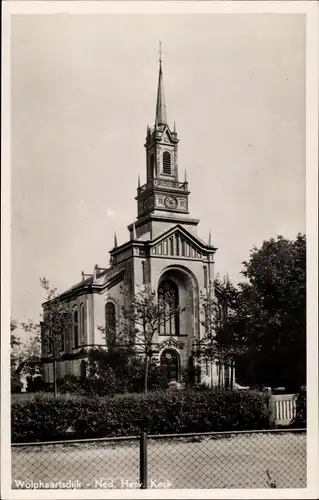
pixel 300 421
pixel 35 383
pixel 69 383
pixel 49 418
pixel 16 385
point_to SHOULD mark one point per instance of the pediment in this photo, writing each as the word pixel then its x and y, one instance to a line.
pixel 178 242
pixel 167 136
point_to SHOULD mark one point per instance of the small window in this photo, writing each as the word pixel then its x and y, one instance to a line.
pixel 167 168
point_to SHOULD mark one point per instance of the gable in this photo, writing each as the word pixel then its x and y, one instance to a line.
pixel 177 242
pixel 166 136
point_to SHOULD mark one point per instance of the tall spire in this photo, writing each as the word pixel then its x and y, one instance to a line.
pixel 161 118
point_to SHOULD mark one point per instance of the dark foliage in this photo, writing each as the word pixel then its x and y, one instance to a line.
pixel 47 418
pixel 272 316
pixel 35 383
pixel 300 421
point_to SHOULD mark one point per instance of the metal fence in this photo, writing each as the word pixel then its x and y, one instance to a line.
pixel 246 459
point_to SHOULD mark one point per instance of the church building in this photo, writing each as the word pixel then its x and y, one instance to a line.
pixel 163 252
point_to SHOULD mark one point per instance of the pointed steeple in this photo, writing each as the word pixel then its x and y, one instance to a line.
pixel 161 118
pixel 115 240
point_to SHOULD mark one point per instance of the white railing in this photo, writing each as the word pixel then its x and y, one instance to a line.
pixel 283 407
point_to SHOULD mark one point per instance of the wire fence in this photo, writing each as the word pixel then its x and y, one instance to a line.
pixel 246 459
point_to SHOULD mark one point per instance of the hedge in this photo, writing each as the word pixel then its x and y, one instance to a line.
pixel 76 417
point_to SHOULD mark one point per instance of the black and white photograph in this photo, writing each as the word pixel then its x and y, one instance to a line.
pixel 159 208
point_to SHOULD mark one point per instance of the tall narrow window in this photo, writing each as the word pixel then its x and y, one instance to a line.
pixel 183 247
pixel 110 324
pixel 177 244
pixel 205 276
pixel 167 167
pixel 153 173
pixel 75 328
pixel 82 323
pixel 168 300
pixel 144 278
pixel 171 246
pixel 62 342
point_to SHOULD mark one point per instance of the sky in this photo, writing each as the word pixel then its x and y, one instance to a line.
pixel 83 89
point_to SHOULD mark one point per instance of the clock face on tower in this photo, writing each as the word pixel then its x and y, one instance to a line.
pixel 170 202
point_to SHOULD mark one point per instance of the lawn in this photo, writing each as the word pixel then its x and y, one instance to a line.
pixel 240 461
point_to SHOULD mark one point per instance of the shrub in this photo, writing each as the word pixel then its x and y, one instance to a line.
pixel 49 418
pixel 16 385
pixel 35 383
pixel 69 383
pixel 300 420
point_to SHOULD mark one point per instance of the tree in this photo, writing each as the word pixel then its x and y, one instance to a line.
pixel 273 314
pixel 25 352
pixel 56 322
pixel 222 341
pixel 142 317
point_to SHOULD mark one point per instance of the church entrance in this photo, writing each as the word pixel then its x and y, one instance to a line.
pixel 171 363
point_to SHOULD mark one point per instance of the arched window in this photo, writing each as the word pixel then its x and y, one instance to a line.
pixel 82 323
pixel 75 327
pixel 168 302
pixel 110 324
pixel 170 362
pixel 167 168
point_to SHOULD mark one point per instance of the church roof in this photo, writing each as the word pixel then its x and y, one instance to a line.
pixel 102 278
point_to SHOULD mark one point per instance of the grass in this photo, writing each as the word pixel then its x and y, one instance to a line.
pixel 241 461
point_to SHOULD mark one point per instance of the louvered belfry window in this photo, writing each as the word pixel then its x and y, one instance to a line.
pixel 168 300
pixel 167 167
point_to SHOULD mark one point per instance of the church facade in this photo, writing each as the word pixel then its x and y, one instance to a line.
pixel 163 252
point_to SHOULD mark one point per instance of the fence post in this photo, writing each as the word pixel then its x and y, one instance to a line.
pixel 143 460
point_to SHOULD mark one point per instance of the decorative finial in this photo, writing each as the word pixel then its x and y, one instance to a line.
pixel 210 238
pixel 95 272
pixel 115 240
pixel 174 127
pixel 139 181
pixel 82 274
pixel 160 52
pixel 133 232
pixel 185 175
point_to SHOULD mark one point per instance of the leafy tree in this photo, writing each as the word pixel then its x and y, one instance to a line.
pixel 56 322
pixel 25 352
pixel 273 314
pixel 142 317
pixel 222 341
pixel 51 331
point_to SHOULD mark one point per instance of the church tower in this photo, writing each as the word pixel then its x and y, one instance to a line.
pixel 163 199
